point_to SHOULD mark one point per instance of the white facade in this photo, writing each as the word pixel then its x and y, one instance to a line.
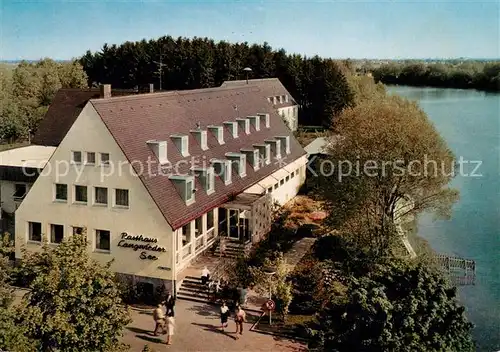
pixel 118 208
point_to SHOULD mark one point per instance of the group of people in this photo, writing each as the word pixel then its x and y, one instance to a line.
pixel 239 318
pixel 163 316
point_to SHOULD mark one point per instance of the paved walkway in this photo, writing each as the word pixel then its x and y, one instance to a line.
pixel 197 329
pixel 297 252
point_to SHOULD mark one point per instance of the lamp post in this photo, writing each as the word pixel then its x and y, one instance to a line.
pixel 247 70
pixel 270 272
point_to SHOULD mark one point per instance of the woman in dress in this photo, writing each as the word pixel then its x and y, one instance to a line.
pixel 170 328
pixel 224 315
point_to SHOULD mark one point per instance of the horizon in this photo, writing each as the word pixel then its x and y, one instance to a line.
pixel 369 30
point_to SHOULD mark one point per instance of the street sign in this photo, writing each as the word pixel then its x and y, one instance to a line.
pixel 270 305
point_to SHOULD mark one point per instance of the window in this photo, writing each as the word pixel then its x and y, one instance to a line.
pixel 90 158
pixel 61 192
pixel 76 157
pixel 276 186
pixel 81 194
pixel 210 219
pixel 186 234
pixel 35 231
pixel 269 190
pixel 292 175
pixel 77 230
pixel 198 226
pixel 282 182
pixel 104 159
pixel 56 233
pixel 20 191
pixel 189 191
pixel 287 178
pixel 102 240
pixel 101 195
pixel 121 197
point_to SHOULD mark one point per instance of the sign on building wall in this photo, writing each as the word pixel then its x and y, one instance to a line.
pixel 140 242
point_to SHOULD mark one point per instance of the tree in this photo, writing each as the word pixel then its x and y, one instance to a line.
pixel 12 335
pixel 73 303
pixel 388 153
pixel 400 307
pixel 279 285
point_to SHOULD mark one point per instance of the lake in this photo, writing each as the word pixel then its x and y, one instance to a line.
pixel 469 120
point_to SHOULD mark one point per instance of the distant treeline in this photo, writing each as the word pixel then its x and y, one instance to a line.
pixel 471 74
pixel 318 84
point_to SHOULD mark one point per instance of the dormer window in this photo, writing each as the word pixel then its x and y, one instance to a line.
pixel 201 138
pixel 182 143
pixel 264 153
pixel 286 98
pixel 159 149
pixel 252 157
pixel 275 147
pixel 255 121
pixel 222 168
pixel 244 125
pixel 218 132
pixel 266 120
pixel 239 162
pixel 185 187
pixel 275 101
pixel 207 178
pixel 233 128
pixel 285 143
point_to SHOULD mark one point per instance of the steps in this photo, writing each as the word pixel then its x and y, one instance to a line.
pixel 234 249
pixel 192 289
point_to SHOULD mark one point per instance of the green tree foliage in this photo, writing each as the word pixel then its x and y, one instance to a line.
pixel 278 284
pixel 27 91
pixel 318 84
pixel 12 335
pixel 398 307
pixel 388 152
pixel 478 75
pixel 73 303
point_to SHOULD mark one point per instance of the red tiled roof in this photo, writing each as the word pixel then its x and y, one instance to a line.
pixel 63 111
pixel 133 120
pixel 269 87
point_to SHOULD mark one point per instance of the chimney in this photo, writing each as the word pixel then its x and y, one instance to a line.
pixel 105 91
pixel 151 88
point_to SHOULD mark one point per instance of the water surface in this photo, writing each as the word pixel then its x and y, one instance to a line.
pixel 469 120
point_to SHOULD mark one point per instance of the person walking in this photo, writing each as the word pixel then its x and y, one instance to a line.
pixel 239 319
pixel 159 318
pixel 170 329
pixel 224 315
pixel 169 304
pixel 222 246
pixel 205 275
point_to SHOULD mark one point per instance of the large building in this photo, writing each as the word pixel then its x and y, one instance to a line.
pixel 155 178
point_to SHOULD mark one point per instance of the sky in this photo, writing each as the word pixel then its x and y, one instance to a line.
pixel 393 29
